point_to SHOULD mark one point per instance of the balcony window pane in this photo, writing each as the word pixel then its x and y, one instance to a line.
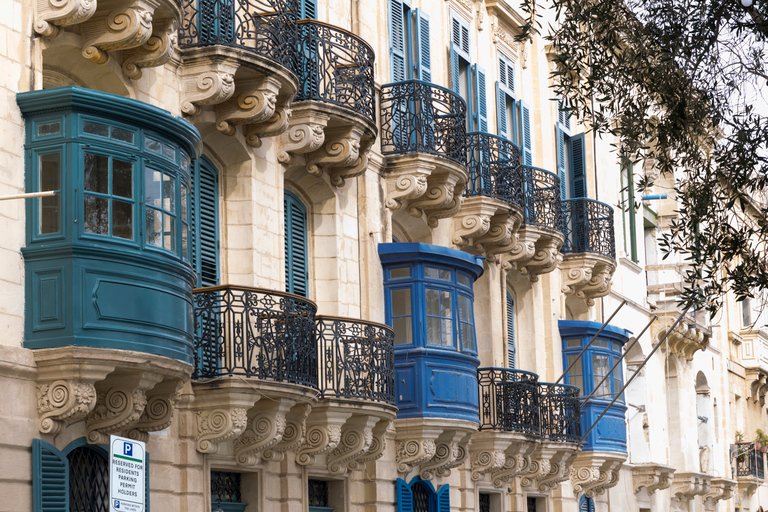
pixel 153 227
pixel 122 219
pixel 464 280
pixel 50 179
pixel 96 173
pixel 122 135
pixel 437 273
pixel 433 331
pixel 169 151
pixel 96 215
pixel 169 195
pixel 397 273
pixel 433 302
pixel 52 128
pixel 99 129
pixel 576 380
pixel 152 187
pixel 153 145
pixel 184 203
pixel 403 330
pixel 401 302
pixel 573 343
pixel 168 231
pixel 122 178
pixel 184 240
pixel 446 306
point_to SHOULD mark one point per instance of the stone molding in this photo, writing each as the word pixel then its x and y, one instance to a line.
pixel 687 338
pixel 686 486
pixel 432 446
pixel 560 457
pixel 450 452
pixel 721 489
pixel 592 473
pixel 758 384
pixel 500 455
pixel 747 485
pixel 652 476
pixel 265 429
pixel 293 434
pixel 61 402
pixel 587 276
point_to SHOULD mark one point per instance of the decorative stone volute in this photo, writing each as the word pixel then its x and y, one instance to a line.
pixel 54 14
pixel 686 486
pixel 157 51
pixel 500 455
pixel 587 276
pixel 433 446
pixel 720 489
pixel 559 456
pixel 535 251
pixel 485 224
pixel 685 340
pixel 128 26
pixel 651 476
pixel 592 473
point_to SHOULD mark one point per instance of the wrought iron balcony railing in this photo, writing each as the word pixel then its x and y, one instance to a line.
pixel 335 66
pixel 541 191
pixel 509 400
pixel 494 168
pixel 560 418
pixel 750 462
pixel 255 333
pixel 264 27
pixel 588 227
pixel 357 359
pixel 419 117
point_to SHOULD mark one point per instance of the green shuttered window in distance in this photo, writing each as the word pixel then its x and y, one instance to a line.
pixel 308 9
pixel 296 255
pixel 510 331
pixel 205 222
pixel 409 43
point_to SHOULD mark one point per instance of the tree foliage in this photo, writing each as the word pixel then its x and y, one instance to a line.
pixel 678 83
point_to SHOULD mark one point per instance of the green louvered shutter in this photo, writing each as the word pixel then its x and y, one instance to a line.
pixel 205 223
pixel 444 499
pixel 525 114
pixel 578 161
pixel 510 331
pixel 50 478
pixel 295 245
pixel 481 116
pixel 501 112
pixel 396 40
pixel 455 69
pixel 146 482
pixel 423 54
pixel 216 21
pixel 308 9
pixel 404 496
pixel 560 141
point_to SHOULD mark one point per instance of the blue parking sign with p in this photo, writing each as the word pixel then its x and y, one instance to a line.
pixel 128 449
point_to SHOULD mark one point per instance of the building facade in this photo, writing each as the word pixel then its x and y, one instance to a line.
pixel 325 255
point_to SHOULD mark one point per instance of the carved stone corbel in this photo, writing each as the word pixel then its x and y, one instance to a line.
pixel 356 440
pixel 306 134
pixel 450 452
pixel 502 232
pixel 720 489
pixel 473 220
pixel 53 14
pixel 652 476
pixel 686 486
pixel 215 426
pixel 442 198
pixel 158 413
pixel 502 455
pixel 538 468
pixel 583 477
pixel 592 473
pixel 122 29
pixel 157 51
pixel 376 450
pixel 340 151
pixel 560 457
pixel 275 125
pixel 685 340
pixel 255 104
pixel 545 259
pixel 61 402
pixel 413 452
pixel 265 430
pixel 116 411
pixel 293 434
pixel 486 461
pixel 323 435
pixel 587 276
pixel 519 250
pixel 207 79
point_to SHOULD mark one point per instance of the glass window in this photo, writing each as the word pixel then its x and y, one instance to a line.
pixel 437 273
pixel 108 196
pixel 402 318
pixel 397 273
pixel 466 323
pixel 575 375
pixel 463 280
pixel 48 129
pixel 439 317
pixel 49 178
pixel 160 202
pixel 600 365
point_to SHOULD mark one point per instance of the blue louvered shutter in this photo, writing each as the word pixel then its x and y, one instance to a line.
pixel 50 478
pixel 216 21
pixel 481 116
pixel 510 331
pixel 397 40
pixel 146 481
pixel 444 499
pixel 560 142
pixel 501 112
pixel 586 505
pixel 205 222
pixel 308 9
pixel 296 268
pixel 404 496
pixel 525 115
pixel 455 69
pixel 578 163
pixel 423 54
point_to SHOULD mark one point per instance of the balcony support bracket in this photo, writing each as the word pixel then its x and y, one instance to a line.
pixel 122 29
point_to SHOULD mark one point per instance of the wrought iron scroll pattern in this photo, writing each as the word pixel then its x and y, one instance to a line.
pixel 254 333
pixel 509 400
pixel 560 418
pixel 265 27
pixel 335 66
pixel 494 168
pixel 750 463
pixel 588 227
pixel 541 190
pixel 419 117
pixel 357 359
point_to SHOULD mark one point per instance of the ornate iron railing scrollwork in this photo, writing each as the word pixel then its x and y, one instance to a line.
pixel 588 227
pixel 509 400
pixel 560 417
pixel 356 359
pixel 335 66
pixel 541 192
pixel 264 27
pixel 420 117
pixel 750 461
pixel 494 168
pixel 254 333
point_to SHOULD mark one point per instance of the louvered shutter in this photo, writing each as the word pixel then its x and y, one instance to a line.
pixel 455 69
pixel 560 142
pixel 443 499
pixel 205 223
pixel 510 331
pixel 501 112
pixel 308 9
pixel 525 114
pixel 295 245
pixel 50 478
pixel 586 505
pixel 481 116
pixel 396 40
pixel 146 482
pixel 578 163
pixel 423 54
pixel 404 496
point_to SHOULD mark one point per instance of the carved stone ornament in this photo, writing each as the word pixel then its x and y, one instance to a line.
pixel 652 476
pixel 514 465
pixel 500 455
pixel 537 469
pixel 592 473
pixel 217 425
pixel 53 14
pixel 375 450
pixel 560 457
pixel 342 156
pixel 63 401
pixel 323 434
pixel 450 452
pixel 472 224
pixel 502 232
pixel 116 412
pixel 442 199
pixel 545 259
pixel 305 134
pixel 293 434
pixel 758 384
pixel 207 79
pixel 356 440
pixel 275 125
pixel 265 429
pixel 534 251
pixel 587 276
pixel 686 486
pixel 720 489
pixel 686 339
pixel 255 104
pixel 414 452
pixel 122 29
pixel 157 415
pixel 157 51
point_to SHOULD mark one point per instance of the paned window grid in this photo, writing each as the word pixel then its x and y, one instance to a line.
pixel 317 491
pixel 225 487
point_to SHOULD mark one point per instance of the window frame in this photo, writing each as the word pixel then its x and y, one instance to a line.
pixel 613 351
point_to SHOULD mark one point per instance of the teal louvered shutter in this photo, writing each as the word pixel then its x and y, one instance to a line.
pixel 295 245
pixel 481 115
pixel 510 331
pixel 586 505
pixel 50 478
pixel 205 222
pixel 216 21
pixel 455 69
pixel 146 482
pixel 404 496
pixel 308 9
pixel 525 115
pixel 423 54
pixel 560 142
pixel 578 163
pixel 501 111
pixel 444 499
pixel 397 40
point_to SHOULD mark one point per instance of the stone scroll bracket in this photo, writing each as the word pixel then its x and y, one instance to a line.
pixel 484 224
pixel 561 457
pixel 500 456
pixel 721 489
pixel 450 452
pixel 653 477
pixel 587 276
pixel 127 26
pixel 432 446
pixel 686 339
pixel 592 473
pixel 323 435
pixel 686 486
